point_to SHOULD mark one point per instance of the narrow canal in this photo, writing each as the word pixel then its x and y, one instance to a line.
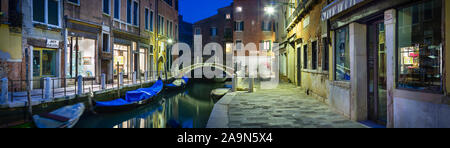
pixel 188 108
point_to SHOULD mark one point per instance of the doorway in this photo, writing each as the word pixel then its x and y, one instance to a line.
pixel 299 67
pixel 377 96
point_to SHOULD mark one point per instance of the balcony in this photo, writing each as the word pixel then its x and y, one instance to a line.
pixel 298 13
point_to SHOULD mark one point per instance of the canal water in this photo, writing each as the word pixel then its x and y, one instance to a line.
pixel 188 108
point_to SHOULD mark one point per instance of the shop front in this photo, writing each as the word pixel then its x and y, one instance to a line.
pixel 82 57
pixel 388 62
pixel 46 60
pixel 145 61
pixel 122 57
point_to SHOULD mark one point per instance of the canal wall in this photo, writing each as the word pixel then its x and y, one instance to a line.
pixel 15 116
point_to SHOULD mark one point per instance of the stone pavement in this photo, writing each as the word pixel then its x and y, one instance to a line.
pixel 284 107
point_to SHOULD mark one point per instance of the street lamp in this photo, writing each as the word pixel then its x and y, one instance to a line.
pixel 269 10
pixel 170 41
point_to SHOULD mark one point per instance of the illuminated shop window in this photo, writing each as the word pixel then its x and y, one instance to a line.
pixel 420 46
pixel 342 56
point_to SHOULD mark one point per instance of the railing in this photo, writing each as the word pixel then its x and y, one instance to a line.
pixel 65 87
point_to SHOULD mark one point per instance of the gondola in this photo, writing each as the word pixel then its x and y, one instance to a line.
pixel 178 84
pixel 65 117
pixel 132 99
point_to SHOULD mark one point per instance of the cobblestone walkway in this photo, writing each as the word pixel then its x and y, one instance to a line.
pixel 284 107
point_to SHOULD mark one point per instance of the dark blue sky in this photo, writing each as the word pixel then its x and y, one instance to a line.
pixel 195 10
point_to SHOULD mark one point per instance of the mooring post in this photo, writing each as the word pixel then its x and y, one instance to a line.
pixel 4 98
pixel 234 83
pixel 251 84
pixel 47 88
pixel 80 85
pixel 103 81
pixel 120 79
pixel 134 77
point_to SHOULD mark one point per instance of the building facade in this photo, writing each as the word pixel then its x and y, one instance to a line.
pixel 185 34
pixel 11 53
pixel 216 29
pixel 305 49
pixel 387 60
pixel 68 38
pixel 255 26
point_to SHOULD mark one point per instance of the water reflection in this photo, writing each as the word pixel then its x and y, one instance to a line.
pixel 189 108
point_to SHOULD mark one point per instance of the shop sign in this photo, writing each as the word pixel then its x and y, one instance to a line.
pixel 52 43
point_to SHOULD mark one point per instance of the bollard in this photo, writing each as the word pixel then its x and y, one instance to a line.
pixel 251 85
pixel 4 98
pixel 121 78
pixel 103 81
pixel 134 77
pixel 233 83
pixel 47 88
pixel 80 85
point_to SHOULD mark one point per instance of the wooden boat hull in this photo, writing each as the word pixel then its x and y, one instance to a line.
pixel 72 112
pixel 121 108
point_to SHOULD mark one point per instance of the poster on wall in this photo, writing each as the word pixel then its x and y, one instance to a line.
pixel 87 61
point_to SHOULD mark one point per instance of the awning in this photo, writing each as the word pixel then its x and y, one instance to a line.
pixel 337 7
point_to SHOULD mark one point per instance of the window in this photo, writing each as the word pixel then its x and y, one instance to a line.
pixel 129 11
pixel 38 12
pixel 77 2
pixel 213 31
pixel 151 21
pixel 106 44
pixel 239 26
pixel 146 15
pixel 228 33
pixel 267 45
pixel 46 11
pixel 305 56
pixel 117 9
pixel 106 7
pixel 166 31
pixel 176 30
pixel 266 26
pixel 325 56
pixel 420 46
pixel 228 16
pixel 239 44
pixel 198 31
pixel 342 55
pixel 239 9
pixel 314 55
pixel 170 29
pixel 135 13
pixel 160 24
pixel 44 62
pixel 169 2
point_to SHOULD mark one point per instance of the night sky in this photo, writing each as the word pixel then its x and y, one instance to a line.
pixel 196 10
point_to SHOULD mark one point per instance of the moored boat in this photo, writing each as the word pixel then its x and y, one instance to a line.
pixel 177 84
pixel 132 99
pixel 65 117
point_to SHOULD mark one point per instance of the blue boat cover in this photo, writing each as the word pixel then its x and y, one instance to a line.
pixel 135 96
pixel 117 102
pixel 184 78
